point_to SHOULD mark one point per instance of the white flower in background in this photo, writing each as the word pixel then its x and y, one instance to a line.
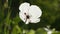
pixel 48 31
pixel 29 13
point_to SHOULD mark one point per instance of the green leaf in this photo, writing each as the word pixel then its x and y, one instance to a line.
pixel 41 31
pixel 31 32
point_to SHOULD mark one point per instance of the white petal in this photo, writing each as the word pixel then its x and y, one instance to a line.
pixel 22 16
pixel 46 29
pixel 35 11
pixel 24 7
pixel 34 20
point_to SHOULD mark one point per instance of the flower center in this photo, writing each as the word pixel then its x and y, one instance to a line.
pixel 27 16
pixel 25 13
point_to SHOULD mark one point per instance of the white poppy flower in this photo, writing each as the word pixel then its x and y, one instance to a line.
pixel 48 31
pixel 29 14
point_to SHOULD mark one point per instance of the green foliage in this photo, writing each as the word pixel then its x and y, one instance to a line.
pixel 31 32
pixel 41 31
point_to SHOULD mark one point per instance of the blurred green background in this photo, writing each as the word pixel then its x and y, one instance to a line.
pixel 10 22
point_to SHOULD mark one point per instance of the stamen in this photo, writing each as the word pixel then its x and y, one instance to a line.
pixel 27 17
pixel 25 13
